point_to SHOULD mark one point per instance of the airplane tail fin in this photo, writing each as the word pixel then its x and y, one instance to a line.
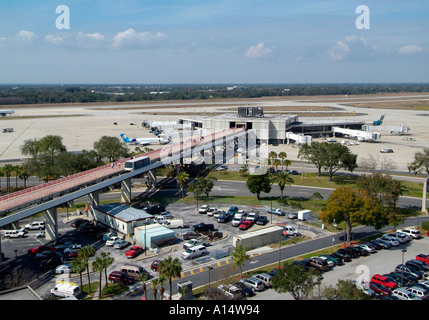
pixel 124 137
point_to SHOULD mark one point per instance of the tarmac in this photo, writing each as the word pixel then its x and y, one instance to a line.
pixel 82 125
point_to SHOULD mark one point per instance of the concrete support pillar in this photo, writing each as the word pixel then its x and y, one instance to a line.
pixel 126 191
pixel 93 201
pixel 151 175
pixel 1 255
pixel 425 186
pixel 51 225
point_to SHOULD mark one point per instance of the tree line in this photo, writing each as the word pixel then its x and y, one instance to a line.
pixel 49 94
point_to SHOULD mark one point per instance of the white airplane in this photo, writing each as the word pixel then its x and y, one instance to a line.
pixel 144 141
pixel 5 112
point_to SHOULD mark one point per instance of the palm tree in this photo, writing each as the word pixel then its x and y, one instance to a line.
pixel 79 266
pixel 282 179
pixel 106 261
pixel 84 254
pixel 161 281
pixel 276 163
pixel 282 156
pixel 154 283
pixel 170 268
pixel 144 289
pixel 97 265
pixel 272 155
pixel 182 177
pixel 8 169
pixel 24 175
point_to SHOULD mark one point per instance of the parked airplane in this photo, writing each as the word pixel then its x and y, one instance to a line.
pixel 5 112
pixel 378 122
pixel 144 141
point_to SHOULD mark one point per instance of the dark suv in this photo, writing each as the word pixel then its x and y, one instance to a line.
pixel 120 277
pixel 202 227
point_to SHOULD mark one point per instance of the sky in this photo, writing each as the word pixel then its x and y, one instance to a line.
pixel 213 41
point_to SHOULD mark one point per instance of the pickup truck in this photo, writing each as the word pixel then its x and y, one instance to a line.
pixel 204 209
pixel 195 242
pixel 203 227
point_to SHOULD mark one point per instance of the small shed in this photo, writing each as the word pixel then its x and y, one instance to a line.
pixel 258 238
pixel 154 235
pixel 122 218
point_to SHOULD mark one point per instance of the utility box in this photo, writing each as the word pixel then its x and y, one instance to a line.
pixel 186 286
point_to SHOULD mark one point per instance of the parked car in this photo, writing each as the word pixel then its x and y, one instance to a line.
pixel 211 211
pixel 422 293
pixel 111 241
pixel 385 281
pixel 236 221
pixel 232 211
pixel 203 227
pixel 292 215
pixel 51 262
pixel 278 212
pixel 252 216
pixel 35 225
pixel 410 270
pixel 415 234
pixel 365 288
pixel 246 291
pixel 423 257
pixel 120 244
pixel 404 294
pixel 63 268
pixel 319 264
pixel 393 242
pixel 262 220
pixel 231 292
pixel 224 218
pixel 386 150
pixel 381 243
pixel 120 277
pixel 133 252
pixel 380 289
pixel 340 257
pixel 367 247
pixel 204 209
pixel 36 250
pixel 154 266
pixel 245 224
pixel 265 278
pixel 253 283
pixel 76 223
pixel 190 235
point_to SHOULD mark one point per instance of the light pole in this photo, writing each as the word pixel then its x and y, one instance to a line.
pixel 402 269
pixel 210 269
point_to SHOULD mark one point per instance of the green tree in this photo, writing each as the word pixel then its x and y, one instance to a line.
pixel 24 175
pixel 271 156
pixel 182 177
pixel 110 148
pixel 314 153
pixel 336 157
pixel 296 280
pixel 79 266
pixel 354 206
pixel 420 163
pixel 106 262
pixel 97 265
pixel 8 169
pixel 344 290
pixel 206 184
pixel 239 256
pixel 259 183
pixel 170 268
pixel 282 179
pixel 84 253
pixel 154 283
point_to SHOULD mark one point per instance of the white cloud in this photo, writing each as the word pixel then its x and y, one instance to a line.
pixel 22 38
pixel 79 40
pixel 353 48
pixel 131 38
pixel 258 51
pixel 410 49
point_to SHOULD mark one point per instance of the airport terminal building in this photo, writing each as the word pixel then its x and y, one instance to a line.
pixel 270 129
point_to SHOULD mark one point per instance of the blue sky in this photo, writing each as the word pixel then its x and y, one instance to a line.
pixel 218 41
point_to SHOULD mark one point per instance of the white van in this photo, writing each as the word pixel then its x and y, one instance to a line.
pixel 174 224
pixel 304 215
pixel 66 290
pixel 194 252
pixel 14 234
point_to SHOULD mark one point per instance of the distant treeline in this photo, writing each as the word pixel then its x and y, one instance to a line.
pixel 26 94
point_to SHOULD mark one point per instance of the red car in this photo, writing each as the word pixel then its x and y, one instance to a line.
pixel 245 224
pixel 380 289
pixel 423 257
pixel 155 265
pixel 36 250
pixel 385 281
pixel 133 252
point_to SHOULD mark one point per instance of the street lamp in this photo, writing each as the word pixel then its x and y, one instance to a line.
pixel 402 269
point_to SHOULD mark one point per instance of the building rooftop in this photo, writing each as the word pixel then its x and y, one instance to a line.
pixel 123 212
